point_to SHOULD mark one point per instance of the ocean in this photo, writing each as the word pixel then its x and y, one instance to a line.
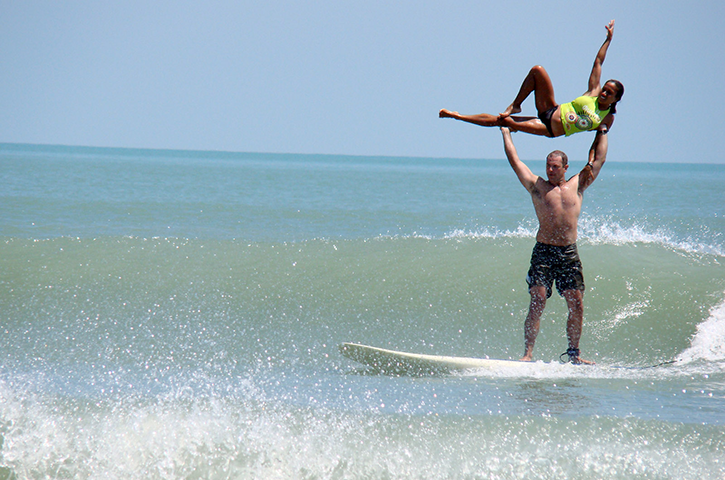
pixel 177 314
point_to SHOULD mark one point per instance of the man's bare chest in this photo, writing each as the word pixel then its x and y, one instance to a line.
pixel 558 197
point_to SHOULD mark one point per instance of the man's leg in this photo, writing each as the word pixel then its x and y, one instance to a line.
pixel 575 303
pixel 533 320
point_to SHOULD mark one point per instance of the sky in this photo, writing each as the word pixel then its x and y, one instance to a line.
pixel 354 77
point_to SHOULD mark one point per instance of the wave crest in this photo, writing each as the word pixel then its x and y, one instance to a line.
pixel 708 343
pixel 606 231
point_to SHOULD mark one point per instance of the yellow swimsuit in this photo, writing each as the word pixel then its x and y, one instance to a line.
pixel 581 115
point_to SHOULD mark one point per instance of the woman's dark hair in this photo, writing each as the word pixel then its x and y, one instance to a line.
pixel 620 92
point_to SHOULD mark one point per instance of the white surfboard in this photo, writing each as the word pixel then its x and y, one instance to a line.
pixel 391 361
pixel 406 363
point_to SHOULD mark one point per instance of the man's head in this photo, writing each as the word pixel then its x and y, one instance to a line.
pixel 556 165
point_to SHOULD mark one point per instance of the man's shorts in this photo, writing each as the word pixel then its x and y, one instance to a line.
pixel 550 262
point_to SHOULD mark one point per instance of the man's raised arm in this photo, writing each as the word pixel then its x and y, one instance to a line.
pixel 597 157
pixel 526 176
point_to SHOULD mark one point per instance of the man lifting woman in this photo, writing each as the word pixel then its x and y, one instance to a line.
pixel 592 111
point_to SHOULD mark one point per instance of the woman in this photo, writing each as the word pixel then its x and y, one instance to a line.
pixel 592 111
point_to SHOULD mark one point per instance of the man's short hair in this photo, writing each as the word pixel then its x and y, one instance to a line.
pixel 559 153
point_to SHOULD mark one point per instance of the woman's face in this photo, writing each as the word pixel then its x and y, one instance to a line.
pixel 609 93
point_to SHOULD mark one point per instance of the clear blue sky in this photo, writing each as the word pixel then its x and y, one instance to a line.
pixel 353 77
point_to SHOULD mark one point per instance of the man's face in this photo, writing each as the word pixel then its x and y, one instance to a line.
pixel 555 170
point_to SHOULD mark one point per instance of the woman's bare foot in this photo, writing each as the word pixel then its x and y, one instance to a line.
pixel 510 110
pixel 447 114
pixel 508 122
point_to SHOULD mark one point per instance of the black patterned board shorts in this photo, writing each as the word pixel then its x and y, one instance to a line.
pixel 551 262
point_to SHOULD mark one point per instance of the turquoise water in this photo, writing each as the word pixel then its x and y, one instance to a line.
pixel 178 314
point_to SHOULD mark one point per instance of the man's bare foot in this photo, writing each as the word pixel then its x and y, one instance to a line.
pixel 574 358
pixel 510 110
pixel 581 361
pixel 527 358
pixel 447 114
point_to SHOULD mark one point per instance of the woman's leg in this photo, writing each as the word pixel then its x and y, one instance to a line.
pixel 539 82
pixel 482 119
pixel 530 125
pixel 517 123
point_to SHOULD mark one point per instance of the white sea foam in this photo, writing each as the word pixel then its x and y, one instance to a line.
pixel 596 230
pixel 604 231
pixel 708 343
pixel 522 231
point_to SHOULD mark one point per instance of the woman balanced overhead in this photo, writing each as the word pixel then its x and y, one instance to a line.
pixel 592 111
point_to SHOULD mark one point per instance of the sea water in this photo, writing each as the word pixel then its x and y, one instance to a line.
pixel 169 314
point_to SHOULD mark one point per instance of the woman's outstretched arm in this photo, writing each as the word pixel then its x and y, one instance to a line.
pixel 596 76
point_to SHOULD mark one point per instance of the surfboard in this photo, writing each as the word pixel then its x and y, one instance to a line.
pixel 407 363
pixel 402 363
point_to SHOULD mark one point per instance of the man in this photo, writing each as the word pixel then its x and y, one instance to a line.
pixel 558 203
